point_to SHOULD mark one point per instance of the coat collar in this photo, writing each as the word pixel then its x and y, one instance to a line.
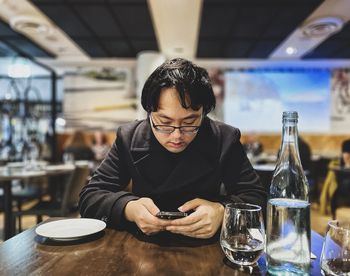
pixel 197 160
pixel 141 139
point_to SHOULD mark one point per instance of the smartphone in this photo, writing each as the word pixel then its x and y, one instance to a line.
pixel 171 215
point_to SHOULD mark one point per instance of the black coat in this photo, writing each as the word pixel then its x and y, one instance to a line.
pixel 214 157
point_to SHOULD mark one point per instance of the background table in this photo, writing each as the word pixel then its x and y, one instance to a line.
pixel 119 253
pixel 6 177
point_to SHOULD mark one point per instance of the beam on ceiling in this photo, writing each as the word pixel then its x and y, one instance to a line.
pixel 176 24
pixel 304 44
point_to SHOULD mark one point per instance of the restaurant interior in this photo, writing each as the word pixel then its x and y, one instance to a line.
pixel 72 71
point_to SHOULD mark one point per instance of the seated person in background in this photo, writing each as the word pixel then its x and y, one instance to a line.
pixel 330 185
pixel 345 158
pixel 252 146
pixel 177 159
pixel 77 144
pixel 100 147
pixel 305 154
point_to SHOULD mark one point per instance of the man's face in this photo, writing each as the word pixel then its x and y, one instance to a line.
pixel 346 158
pixel 170 112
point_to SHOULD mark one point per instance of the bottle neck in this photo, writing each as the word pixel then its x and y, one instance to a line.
pixel 290 133
pixel 289 179
pixel 289 146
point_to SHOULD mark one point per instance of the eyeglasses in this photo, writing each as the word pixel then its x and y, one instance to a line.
pixel 166 129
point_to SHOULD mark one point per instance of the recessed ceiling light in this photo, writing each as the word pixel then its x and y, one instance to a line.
pixel 324 26
pixel 291 50
pixel 30 25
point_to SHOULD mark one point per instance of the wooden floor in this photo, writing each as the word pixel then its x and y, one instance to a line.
pixel 318 221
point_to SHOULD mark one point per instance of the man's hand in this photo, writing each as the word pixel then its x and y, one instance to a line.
pixel 143 212
pixel 202 223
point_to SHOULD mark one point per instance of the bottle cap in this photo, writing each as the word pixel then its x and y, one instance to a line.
pixel 290 116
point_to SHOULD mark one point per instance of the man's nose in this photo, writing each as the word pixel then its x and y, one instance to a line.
pixel 177 133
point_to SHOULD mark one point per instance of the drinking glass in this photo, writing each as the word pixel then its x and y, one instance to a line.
pixel 68 158
pixel 31 157
pixel 243 233
pixel 335 257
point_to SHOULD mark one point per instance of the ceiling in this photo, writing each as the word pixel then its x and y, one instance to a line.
pixel 11 43
pixel 228 29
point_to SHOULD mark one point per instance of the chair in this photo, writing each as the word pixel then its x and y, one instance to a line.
pixel 21 193
pixel 69 203
pixel 341 194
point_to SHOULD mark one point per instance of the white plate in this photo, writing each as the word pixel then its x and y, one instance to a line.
pixel 60 167
pixel 82 163
pixel 70 229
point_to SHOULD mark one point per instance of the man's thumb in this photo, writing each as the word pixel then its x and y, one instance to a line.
pixel 190 205
pixel 151 207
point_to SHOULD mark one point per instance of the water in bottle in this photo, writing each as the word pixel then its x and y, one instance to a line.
pixel 288 208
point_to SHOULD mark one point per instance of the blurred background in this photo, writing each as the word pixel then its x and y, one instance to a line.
pixel 70 66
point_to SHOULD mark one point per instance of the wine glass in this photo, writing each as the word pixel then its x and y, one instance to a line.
pixel 335 257
pixel 243 233
pixel 68 158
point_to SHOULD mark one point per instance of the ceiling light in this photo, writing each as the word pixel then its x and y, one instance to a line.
pixel 324 26
pixel 291 51
pixel 60 122
pixel 8 96
pixel 19 68
pixel 30 25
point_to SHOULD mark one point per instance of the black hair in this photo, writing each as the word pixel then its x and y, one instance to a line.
pixel 104 139
pixel 191 82
pixel 345 147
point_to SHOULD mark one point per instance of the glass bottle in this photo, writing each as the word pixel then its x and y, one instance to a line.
pixel 288 208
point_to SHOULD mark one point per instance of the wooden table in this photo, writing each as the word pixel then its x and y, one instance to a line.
pixel 6 177
pixel 120 253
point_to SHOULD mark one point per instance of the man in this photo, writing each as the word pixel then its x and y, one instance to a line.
pixel 177 159
pixel 345 152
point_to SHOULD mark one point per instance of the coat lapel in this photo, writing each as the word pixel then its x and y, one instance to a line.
pixel 199 161
pixel 188 172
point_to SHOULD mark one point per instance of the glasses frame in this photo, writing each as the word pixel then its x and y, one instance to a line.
pixel 180 128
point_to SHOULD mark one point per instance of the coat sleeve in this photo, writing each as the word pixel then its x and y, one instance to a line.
pixel 241 182
pixel 104 197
